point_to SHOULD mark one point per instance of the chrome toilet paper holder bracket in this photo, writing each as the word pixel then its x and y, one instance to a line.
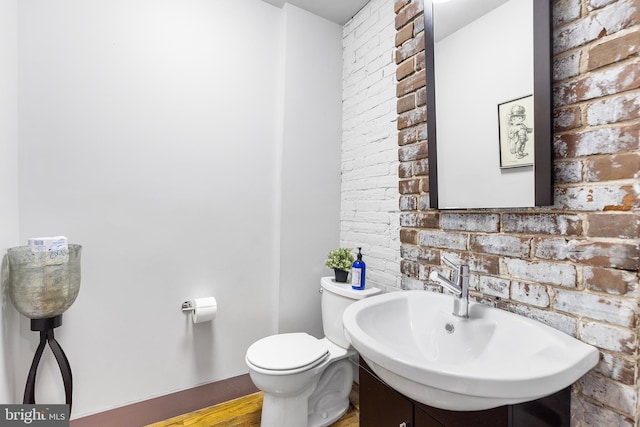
pixel 200 310
pixel 187 306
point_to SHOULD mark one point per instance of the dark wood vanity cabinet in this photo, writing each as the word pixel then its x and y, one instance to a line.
pixel 382 406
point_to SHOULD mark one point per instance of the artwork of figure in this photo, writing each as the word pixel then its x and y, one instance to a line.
pixel 518 131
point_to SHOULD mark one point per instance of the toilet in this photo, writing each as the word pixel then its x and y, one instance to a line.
pixel 306 381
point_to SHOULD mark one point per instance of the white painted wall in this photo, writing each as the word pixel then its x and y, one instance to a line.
pixel 8 186
pixel 312 105
pixel 155 134
pixel 369 211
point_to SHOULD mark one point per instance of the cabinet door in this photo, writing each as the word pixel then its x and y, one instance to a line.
pixel 423 419
pixel 497 417
pixel 380 405
pixel 550 411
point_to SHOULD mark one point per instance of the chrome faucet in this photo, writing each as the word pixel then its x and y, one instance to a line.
pixel 459 286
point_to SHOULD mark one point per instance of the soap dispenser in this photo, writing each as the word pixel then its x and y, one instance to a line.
pixel 358 272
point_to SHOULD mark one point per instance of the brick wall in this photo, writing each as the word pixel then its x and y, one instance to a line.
pixel 369 205
pixel 574 265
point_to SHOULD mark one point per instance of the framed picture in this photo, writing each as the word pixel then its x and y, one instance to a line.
pixel 515 122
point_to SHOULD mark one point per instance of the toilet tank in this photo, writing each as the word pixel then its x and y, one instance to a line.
pixel 336 297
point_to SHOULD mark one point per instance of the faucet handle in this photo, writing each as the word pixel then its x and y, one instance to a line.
pixel 462 269
pixel 434 276
pixel 450 263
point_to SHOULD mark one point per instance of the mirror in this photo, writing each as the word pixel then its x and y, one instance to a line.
pixel 489 108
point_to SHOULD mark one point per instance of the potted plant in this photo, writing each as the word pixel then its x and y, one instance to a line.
pixel 340 260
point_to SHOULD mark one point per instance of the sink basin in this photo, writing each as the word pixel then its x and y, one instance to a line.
pixel 415 344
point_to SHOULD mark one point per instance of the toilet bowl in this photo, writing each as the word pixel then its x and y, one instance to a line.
pixel 306 381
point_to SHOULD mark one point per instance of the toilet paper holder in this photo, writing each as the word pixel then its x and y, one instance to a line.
pixel 201 309
pixel 187 306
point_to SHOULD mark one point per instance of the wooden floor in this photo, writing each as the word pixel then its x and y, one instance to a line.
pixel 245 412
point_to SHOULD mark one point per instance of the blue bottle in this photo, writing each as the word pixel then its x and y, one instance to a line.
pixel 358 271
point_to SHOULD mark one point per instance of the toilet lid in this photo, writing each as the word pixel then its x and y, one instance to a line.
pixel 287 351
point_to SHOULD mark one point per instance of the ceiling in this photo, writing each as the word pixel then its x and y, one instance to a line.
pixel 338 11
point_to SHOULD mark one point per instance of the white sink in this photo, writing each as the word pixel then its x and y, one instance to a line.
pixel 415 344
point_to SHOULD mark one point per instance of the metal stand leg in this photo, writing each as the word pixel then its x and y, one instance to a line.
pixel 29 391
pixel 46 326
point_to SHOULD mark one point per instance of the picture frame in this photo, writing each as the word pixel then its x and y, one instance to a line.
pixel 515 128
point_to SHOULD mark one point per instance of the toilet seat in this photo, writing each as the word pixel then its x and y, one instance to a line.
pixel 287 353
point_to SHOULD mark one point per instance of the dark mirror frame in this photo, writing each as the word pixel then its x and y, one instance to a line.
pixel 543 105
